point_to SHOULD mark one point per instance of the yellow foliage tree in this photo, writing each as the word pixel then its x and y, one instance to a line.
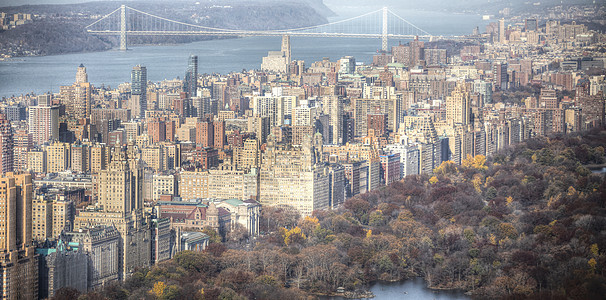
pixel 506 230
pixel 294 234
pixel 405 215
pixel 476 162
pixel 433 180
pixel 492 239
pixel 592 264
pixel 158 289
pixel 594 249
pixel 309 224
pixel 446 167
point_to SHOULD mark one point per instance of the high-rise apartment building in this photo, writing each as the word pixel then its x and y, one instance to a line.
pixel 458 106
pixel 156 129
pixel 333 107
pixel 219 139
pixel 502 31
pixel 347 65
pixel 139 91
pixel 16 112
pixel 82 100
pixel 79 157
pixel 44 120
pixel 120 186
pixel 291 178
pixel 500 77
pixel 286 47
pixel 98 158
pixel 548 99
pixel 205 134
pixel 190 85
pixel 120 199
pixel 57 157
pixel 18 266
pixel 36 160
pixel 6 145
pixel 224 183
pixel 102 244
pixel 52 215
pixel 22 144
pixel 76 98
pixel 42 208
pixel 81 76
pixel 417 52
pixel 276 108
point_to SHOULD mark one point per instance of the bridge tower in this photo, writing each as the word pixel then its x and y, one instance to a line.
pixel 384 33
pixel 123 27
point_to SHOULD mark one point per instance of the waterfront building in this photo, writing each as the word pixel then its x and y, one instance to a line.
pixel 278 61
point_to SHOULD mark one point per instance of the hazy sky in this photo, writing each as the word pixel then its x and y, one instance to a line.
pixel 23 2
pixel 345 4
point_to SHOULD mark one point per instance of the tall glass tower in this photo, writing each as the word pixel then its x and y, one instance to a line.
pixel 139 90
pixel 190 86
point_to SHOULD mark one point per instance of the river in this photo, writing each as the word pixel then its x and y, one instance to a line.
pixel 43 74
pixel 409 289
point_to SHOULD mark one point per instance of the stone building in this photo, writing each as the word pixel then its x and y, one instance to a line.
pixel 120 204
pixel 291 178
pixel 62 266
pixel 101 244
pixel 18 263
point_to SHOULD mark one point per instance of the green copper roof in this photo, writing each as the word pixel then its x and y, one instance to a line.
pixel 45 251
pixel 234 202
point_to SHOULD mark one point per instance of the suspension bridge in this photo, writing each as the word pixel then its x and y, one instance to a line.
pixel 380 24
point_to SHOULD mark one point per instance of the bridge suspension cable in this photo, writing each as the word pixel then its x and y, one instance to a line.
pixel 382 23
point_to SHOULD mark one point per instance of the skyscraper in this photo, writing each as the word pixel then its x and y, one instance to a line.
pixel 139 91
pixel 82 100
pixel 81 76
pixel 18 266
pixel 502 31
pixel 22 141
pixel 458 106
pixel 286 47
pixel 190 86
pixel 120 200
pixel 44 120
pixel 333 107
pixel 6 145
pixel 120 186
pixel 77 97
pixel 500 77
